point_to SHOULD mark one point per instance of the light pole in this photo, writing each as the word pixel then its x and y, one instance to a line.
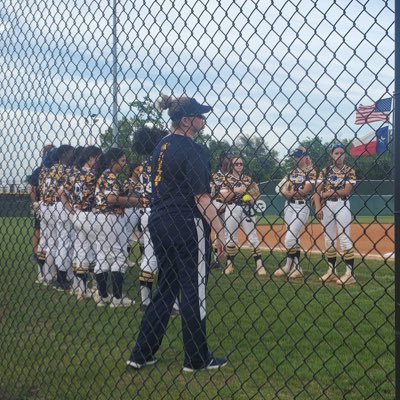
pixel 114 75
pixel 90 121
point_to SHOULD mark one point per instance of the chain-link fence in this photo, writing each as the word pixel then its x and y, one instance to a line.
pixel 106 200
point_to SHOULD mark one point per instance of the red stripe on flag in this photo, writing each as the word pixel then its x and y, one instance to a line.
pixel 368 149
pixel 366 115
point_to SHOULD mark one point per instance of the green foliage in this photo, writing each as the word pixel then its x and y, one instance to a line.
pixel 377 167
pixel 144 112
pixel 261 163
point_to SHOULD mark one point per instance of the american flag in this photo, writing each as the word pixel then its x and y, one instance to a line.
pixel 379 111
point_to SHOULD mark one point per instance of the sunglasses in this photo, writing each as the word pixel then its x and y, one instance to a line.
pixel 238 163
pixel 201 116
pixel 337 146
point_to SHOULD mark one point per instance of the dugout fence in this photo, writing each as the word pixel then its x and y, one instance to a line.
pixel 284 78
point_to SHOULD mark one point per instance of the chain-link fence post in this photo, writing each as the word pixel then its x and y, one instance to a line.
pixel 397 198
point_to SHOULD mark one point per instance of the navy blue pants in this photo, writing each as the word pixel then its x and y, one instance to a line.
pixel 182 247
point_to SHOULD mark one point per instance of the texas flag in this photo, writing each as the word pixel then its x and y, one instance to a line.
pixel 373 143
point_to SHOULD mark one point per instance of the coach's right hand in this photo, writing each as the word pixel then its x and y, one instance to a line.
pixel 219 245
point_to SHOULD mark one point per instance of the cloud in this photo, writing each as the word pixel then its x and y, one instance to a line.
pixel 271 68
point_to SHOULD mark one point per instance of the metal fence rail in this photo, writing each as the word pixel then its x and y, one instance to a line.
pixel 302 306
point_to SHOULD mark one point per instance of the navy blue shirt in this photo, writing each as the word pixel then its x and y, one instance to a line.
pixel 180 170
pixel 33 179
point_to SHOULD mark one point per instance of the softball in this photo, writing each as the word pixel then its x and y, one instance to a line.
pixel 246 197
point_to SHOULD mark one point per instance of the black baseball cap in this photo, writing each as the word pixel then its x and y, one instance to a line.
pixel 189 108
pixel 299 152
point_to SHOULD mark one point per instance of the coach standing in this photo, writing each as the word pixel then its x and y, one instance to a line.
pixel 181 215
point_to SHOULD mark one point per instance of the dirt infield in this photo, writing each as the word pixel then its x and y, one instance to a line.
pixel 370 240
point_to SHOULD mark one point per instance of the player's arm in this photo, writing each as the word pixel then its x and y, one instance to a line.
pixel 317 198
pixel 239 189
pixel 253 191
pixel 62 192
pixel 287 191
pixel 208 210
pixel 226 194
pixel 124 201
pixel 345 192
pixel 306 189
pixel 338 193
pixel 32 190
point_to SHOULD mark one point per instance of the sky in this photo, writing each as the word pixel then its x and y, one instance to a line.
pixel 283 70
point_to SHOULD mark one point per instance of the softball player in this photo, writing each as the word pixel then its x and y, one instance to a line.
pixel 48 237
pixel 219 191
pixel 65 233
pixel 219 185
pixel 240 195
pixel 78 197
pixel 296 188
pixel 34 194
pixel 332 204
pixel 132 186
pixel 109 210
pixel 55 234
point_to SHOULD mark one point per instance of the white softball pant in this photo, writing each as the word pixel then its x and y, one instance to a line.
pixel 48 234
pixel 236 217
pixel 130 220
pixel 84 245
pixel 110 255
pixel 149 261
pixel 295 216
pixel 66 237
pixel 336 221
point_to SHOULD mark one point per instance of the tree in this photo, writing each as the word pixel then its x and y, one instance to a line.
pixel 318 151
pixel 377 167
pixel 144 112
pixel 261 163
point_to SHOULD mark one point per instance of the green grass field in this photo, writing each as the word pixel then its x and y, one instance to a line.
pixel 360 219
pixel 284 340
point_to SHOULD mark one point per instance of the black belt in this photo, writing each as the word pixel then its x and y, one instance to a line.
pixel 338 198
pixel 297 201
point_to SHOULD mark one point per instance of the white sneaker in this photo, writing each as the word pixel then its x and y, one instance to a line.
pixel 74 291
pixel 280 272
pixel 137 365
pixel 296 273
pixel 95 295
pixel 87 294
pixel 122 302
pixel 330 276
pixel 261 271
pixel 40 279
pixel 229 270
pixel 346 279
pixel 103 301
